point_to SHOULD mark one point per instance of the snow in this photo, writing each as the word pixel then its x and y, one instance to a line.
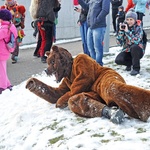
pixel 28 122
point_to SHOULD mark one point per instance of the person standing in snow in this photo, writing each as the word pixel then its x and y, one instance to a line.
pixel 96 20
pixel 42 11
pixel 6 27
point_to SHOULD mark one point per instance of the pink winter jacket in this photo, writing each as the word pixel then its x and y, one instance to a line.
pixel 5 30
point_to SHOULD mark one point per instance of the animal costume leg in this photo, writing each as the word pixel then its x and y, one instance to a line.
pixel 44 91
pixel 132 100
pixel 85 106
pixel 82 105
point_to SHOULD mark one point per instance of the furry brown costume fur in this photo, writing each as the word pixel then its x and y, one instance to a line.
pixel 87 87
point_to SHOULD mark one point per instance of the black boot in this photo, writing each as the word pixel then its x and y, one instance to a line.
pixel 43 59
pixel 116 115
pixel 1 90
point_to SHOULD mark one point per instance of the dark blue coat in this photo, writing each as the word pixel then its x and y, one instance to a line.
pixel 116 3
pixel 97 12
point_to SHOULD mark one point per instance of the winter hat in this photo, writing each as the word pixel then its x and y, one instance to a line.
pixel 10 2
pixel 121 7
pixel 5 15
pixel 131 14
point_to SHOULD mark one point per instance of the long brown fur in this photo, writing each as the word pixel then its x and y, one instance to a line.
pixel 86 87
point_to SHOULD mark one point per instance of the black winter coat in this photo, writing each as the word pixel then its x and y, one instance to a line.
pixel 116 3
pixel 46 9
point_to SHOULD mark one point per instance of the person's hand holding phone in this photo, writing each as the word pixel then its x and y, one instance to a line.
pixel 77 9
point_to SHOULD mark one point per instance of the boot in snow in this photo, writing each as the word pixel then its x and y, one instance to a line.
pixel 116 115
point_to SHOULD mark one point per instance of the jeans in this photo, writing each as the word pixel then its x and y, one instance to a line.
pixel 95 39
pixel 83 32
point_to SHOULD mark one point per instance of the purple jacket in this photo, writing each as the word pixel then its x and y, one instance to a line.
pixel 5 30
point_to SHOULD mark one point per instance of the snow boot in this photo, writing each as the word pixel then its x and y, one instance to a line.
pixel 115 114
pixel 14 59
pixel 1 90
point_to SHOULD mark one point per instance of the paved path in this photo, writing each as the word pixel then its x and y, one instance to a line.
pixel 28 65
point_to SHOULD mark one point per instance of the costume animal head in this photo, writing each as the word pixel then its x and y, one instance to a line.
pixel 59 62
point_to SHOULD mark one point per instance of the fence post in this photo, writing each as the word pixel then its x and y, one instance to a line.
pixel 106 37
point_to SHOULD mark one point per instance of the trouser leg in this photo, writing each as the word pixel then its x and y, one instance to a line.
pixel 15 54
pixel 124 58
pixel 136 54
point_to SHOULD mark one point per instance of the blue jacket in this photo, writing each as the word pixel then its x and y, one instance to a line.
pixel 97 12
pixel 140 5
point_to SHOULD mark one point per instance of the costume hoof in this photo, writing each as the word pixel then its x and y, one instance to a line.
pixel 64 105
pixel 30 85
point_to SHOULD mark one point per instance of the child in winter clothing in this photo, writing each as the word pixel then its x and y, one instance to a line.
pixel 6 27
pixel 120 17
pixel 115 5
pixel 130 36
pixel 18 18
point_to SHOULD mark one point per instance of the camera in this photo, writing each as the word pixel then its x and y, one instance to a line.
pixel 123 26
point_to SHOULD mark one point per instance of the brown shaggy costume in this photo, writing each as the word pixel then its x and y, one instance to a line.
pixel 88 87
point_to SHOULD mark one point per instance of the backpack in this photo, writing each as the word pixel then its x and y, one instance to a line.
pixel 11 44
pixel 144 39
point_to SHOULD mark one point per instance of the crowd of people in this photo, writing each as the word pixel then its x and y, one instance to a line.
pixel 127 24
pixel 128 28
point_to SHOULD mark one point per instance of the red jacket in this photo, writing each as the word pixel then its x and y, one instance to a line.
pixel 129 5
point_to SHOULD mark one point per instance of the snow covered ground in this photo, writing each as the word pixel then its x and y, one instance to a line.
pixel 27 122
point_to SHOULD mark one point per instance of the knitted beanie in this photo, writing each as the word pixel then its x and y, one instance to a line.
pixel 121 7
pixel 131 14
pixel 5 15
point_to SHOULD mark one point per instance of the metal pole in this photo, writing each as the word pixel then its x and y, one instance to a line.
pixel 106 37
